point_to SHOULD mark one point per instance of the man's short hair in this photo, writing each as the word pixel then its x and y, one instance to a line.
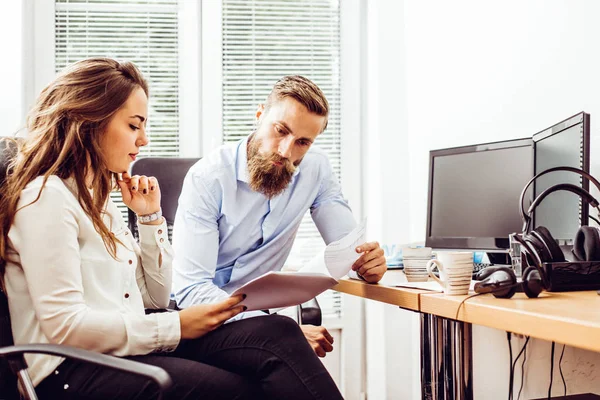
pixel 302 90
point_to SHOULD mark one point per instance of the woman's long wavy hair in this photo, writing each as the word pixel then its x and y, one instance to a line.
pixel 64 131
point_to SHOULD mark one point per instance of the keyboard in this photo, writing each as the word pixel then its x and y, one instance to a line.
pixel 478 267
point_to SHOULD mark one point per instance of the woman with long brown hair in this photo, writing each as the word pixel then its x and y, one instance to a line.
pixel 74 274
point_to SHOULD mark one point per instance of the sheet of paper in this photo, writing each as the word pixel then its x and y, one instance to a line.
pixel 283 289
pixel 341 254
pixel 316 265
pixel 429 285
pixel 337 258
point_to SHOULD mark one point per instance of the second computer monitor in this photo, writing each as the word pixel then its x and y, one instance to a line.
pixel 474 194
pixel 565 144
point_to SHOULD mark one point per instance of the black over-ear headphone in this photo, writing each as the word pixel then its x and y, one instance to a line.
pixel 539 246
pixel 502 282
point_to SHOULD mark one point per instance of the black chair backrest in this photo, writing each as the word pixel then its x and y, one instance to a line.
pixel 170 173
pixel 8 381
pixel 8 150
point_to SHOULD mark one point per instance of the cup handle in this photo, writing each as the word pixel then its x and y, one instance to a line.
pixel 430 265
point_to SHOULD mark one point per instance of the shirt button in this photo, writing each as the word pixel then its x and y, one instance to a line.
pixel 162 240
pixel 126 295
pixel 160 231
pixel 66 386
pixel 127 233
pixel 130 262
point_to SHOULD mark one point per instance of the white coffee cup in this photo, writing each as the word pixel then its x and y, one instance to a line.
pixel 416 270
pixel 415 260
pixel 456 269
pixel 416 252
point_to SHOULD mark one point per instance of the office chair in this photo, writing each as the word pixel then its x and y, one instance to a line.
pixel 170 173
pixel 13 366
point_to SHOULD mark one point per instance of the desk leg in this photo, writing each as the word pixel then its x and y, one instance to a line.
pixel 427 373
pixel 431 358
pixel 457 371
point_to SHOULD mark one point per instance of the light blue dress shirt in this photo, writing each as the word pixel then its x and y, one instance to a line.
pixel 225 234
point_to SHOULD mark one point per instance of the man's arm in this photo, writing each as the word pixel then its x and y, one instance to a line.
pixel 330 210
pixel 334 219
pixel 196 244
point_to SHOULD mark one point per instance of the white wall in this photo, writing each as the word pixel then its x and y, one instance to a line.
pixel 391 334
pixel 11 114
pixel 485 71
pixel 474 72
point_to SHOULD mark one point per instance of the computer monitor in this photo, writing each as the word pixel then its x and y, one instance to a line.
pixel 473 199
pixel 565 144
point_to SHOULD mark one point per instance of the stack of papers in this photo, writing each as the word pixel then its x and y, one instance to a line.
pixel 429 285
pixel 285 289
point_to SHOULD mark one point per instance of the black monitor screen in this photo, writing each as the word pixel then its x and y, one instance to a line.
pixel 564 144
pixel 474 194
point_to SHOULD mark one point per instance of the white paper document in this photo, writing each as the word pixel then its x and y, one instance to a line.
pixel 285 289
pixel 429 285
pixel 337 258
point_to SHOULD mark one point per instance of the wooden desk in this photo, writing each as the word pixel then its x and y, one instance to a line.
pixel 384 291
pixel 571 318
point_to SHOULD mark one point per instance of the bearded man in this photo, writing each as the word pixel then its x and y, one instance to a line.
pixel 241 205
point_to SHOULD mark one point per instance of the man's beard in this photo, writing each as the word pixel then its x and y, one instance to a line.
pixel 266 177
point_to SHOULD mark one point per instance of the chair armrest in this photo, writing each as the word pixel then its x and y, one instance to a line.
pixel 156 374
pixel 310 313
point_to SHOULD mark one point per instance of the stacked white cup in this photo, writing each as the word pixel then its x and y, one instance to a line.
pixel 415 263
pixel 456 269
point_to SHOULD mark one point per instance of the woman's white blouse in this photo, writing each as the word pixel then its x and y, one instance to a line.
pixel 64 287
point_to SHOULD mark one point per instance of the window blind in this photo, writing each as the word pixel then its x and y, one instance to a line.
pixel 142 31
pixel 264 40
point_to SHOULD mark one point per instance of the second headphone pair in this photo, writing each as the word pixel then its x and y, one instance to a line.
pixel 539 245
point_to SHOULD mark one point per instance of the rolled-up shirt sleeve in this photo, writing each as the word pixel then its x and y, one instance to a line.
pixel 330 211
pixel 45 236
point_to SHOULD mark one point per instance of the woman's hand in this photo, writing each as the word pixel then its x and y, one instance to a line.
pixel 140 193
pixel 200 319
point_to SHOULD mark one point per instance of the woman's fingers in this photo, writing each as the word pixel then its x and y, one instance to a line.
pixel 230 302
pixel 143 184
pixel 133 183
pixel 125 193
pixel 232 312
pixel 152 184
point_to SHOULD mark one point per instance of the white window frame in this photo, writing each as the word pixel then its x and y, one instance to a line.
pixel 39 66
pixel 190 79
pixel 38 48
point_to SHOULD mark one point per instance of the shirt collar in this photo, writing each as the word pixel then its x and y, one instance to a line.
pixel 242 161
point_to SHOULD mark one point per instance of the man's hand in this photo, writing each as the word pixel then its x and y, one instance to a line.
pixel 318 338
pixel 371 265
